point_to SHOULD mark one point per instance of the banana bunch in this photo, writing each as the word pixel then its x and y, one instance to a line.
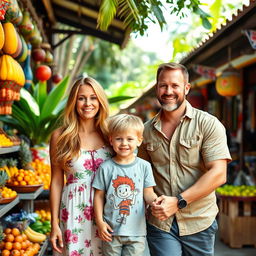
pixel 34 236
pixel 11 70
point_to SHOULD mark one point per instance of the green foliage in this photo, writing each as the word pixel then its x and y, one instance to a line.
pixel 137 14
pixel 192 33
pixel 111 66
pixel 36 114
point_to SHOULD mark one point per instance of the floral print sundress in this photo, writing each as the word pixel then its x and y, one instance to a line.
pixel 76 211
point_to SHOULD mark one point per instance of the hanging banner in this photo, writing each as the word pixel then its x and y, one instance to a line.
pixel 204 71
pixel 251 35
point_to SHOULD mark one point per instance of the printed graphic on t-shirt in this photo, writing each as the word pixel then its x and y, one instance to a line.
pixel 126 192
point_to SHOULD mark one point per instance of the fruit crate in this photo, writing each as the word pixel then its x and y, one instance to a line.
pixel 237 220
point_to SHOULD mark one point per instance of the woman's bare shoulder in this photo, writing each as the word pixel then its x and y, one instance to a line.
pixel 56 132
pixel 55 135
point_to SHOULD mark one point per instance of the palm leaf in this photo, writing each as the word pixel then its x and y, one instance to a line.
pixel 107 13
pixel 129 11
pixel 54 98
pixel 40 93
pixel 118 98
pixel 13 123
pixel 158 12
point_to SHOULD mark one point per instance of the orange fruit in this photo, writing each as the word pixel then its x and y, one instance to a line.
pixel 8 246
pixel 17 246
pixel 23 245
pixel 23 183
pixel 7 231
pixel 5 253
pixel 24 237
pixel 18 239
pixel 19 178
pixel 9 238
pixel 26 178
pixel 15 253
pixel 28 243
pixel 2 243
pixel 15 231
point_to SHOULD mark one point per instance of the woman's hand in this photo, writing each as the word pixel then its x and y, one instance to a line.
pixel 56 239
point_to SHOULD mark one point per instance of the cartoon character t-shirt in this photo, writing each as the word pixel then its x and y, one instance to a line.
pixel 124 208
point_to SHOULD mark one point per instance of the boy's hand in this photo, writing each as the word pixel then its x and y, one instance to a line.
pixel 105 231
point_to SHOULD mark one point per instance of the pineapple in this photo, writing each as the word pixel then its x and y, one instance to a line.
pixel 25 155
pixel 4 167
pixel 3 178
pixel 1 234
pixel 12 164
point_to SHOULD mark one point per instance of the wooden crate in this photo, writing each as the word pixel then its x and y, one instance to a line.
pixel 237 221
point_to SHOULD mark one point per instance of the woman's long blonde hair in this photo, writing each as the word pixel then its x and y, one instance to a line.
pixel 68 143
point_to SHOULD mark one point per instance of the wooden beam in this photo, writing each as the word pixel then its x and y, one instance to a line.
pixel 62 41
pixel 49 10
pixel 86 11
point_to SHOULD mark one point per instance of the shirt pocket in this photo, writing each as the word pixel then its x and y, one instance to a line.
pixel 154 151
pixel 189 150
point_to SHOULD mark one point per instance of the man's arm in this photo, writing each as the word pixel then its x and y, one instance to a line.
pixel 165 206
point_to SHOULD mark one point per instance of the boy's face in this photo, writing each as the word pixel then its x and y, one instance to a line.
pixel 125 143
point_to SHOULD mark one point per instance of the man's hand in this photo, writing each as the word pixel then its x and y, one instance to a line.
pixel 164 207
pixel 105 231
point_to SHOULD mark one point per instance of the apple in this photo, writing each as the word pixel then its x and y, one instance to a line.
pixel 43 73
pixel 56 78
pixel 38 54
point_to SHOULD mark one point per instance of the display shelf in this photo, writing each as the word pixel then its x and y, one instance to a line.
pixel 4 208
pixel 9 149
pixel 31 196
pixel 28 199
pixel 43 248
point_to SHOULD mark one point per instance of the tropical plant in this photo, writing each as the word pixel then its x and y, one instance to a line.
pixel 37 114
pixel 137 14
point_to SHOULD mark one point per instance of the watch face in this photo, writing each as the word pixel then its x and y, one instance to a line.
pixel 182 204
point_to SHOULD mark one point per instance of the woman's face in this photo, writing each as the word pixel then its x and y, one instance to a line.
pixel 87 103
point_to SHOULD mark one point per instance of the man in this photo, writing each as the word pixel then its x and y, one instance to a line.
pixel 188 151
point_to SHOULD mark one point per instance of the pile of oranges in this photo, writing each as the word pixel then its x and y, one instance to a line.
pixel 17 244
pixel 7 192
pixel 25 177
pixel 42 170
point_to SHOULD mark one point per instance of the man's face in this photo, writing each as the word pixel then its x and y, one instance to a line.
pixel 171 89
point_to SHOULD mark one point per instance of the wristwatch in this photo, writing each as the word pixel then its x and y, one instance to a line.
pixel 182 203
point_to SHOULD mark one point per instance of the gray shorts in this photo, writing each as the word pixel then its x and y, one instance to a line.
pixel 124 245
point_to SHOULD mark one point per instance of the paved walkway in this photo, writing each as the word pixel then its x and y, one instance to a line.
pixel 223 250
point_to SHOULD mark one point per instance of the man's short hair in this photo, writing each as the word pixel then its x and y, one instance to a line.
pixel 172 66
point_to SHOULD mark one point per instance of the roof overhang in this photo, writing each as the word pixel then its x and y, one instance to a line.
pixel 81 18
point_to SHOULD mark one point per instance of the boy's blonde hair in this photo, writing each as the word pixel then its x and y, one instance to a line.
pixel 125 122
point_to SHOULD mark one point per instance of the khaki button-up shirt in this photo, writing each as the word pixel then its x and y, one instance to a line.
pixel 178 163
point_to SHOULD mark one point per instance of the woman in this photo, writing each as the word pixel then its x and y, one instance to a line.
pixel 77 149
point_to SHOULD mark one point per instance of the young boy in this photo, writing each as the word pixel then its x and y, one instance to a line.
pixel 121 186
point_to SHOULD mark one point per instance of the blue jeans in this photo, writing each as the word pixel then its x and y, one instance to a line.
pixel 163 243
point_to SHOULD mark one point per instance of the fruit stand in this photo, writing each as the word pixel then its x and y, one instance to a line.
pixel 237 215
pixel 29 240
